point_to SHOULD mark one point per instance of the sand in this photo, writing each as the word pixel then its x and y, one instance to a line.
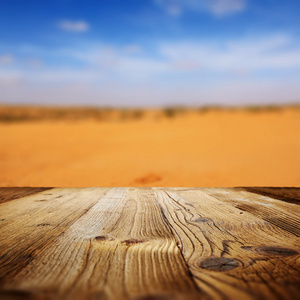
pixel 216 148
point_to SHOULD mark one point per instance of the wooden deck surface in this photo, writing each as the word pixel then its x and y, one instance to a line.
pixel 149 243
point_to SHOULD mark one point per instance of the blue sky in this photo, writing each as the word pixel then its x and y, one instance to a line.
pixel 150 52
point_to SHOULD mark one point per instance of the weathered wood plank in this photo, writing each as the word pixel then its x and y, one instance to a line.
pixel 290 194
pixel 283 215
pixel 32 223
pixel 232 253
pixel 161 243
pixel 121 248
pixel 11 193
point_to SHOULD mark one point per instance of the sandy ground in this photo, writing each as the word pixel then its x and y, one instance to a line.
pixel 217 148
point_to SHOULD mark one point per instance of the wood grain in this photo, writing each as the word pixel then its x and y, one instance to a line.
pixel 148 243
pixel 32 223
pixel 231 253
pixel 290 194
pixel 10 193
pixel 278 213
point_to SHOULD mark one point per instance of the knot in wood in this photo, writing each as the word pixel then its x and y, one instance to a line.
pixel 219 264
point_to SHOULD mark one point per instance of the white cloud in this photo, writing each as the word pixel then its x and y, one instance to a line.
pixel 171 73
pixel 6 59
pixel 239 56
pixel 192 59
pixel 74 26
pixel 268 53
pixel 121 62
pixel 215 7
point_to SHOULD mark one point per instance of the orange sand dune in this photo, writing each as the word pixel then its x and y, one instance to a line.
pixel 216 148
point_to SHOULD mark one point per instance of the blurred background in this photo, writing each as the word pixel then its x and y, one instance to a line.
pixel 153 92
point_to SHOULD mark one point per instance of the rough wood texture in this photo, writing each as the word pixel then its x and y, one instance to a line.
pixel 290 194
pixel 9 193
pixel 149 243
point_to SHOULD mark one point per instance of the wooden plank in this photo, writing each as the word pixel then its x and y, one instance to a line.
pixel 121 248
pixel 130 243
pixel 11 193
pixel 232 253
pixel 290 194
pixel 283 215
pixel 32 223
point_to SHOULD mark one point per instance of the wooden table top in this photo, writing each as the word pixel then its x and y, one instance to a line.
pixel 149 243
